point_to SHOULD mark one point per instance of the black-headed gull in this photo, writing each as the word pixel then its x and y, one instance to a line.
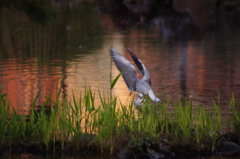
pixel 143 86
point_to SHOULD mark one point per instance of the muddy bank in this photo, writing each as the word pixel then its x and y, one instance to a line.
pixel 153 149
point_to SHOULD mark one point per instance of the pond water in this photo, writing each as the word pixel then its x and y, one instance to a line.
pixel 29 156
pixel 190 49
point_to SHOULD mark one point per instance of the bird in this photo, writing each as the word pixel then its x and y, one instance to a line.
pixel 140 100
pixel 143 86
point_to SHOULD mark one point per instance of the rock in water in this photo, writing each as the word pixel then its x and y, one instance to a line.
pixel 227 147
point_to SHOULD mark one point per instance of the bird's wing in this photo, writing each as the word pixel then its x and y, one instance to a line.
pixel 128 70
pixel 142 87
pixel 138 62
pixel 146 89
pixel 140 66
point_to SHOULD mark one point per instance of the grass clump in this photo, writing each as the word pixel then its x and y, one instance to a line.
pixel 79 125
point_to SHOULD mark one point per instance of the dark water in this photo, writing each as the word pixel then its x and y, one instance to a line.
pixel 31 156
pixel 57 156
pixel 191 50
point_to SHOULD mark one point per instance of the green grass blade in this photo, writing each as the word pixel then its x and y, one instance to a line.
pixel 115 80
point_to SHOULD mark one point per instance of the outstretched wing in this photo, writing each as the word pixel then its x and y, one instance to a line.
pixel 138 62
pixel 128 70
pixel 140 66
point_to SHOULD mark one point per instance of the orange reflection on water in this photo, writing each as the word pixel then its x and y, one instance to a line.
pixel 180 68
pixel 22 83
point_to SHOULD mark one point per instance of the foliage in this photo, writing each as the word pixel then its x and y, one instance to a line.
pixel 37 10
pixel 112 126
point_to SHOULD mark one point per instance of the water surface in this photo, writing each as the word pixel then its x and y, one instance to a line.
pixel 191 51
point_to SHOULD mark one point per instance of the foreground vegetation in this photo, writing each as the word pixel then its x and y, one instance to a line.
pixel 79 125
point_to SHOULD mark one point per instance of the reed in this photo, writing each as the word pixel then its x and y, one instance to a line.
pixel 236 115
pixel 4 112
pixel 80 123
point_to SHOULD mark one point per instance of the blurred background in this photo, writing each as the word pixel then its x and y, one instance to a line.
pixel 191 48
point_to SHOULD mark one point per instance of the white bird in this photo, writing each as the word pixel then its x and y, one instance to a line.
pixel 129 74
pixel 139 102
